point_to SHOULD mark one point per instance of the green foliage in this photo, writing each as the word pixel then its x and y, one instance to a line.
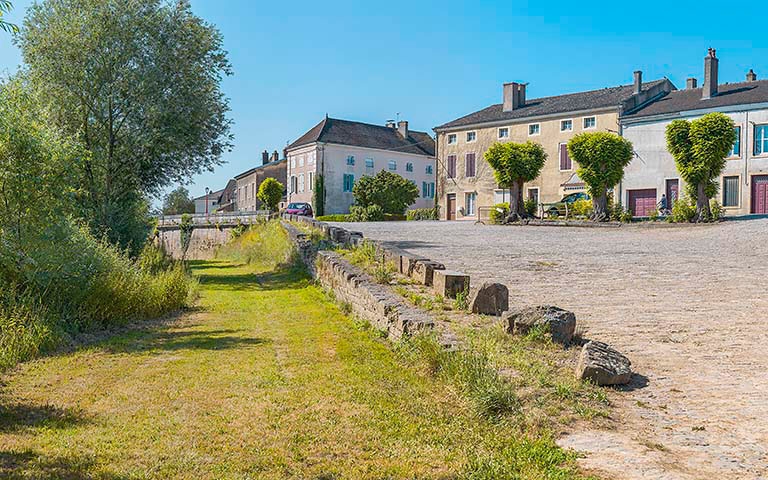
pixel 683 210
pixel 530 206
pixel 601 158
pixel 318 196
pixel 154 259
pixel 138 84
pixel 186 229
pixel 338 217
pixel 178 202
pixel 367 257
pixel 5 7
pixel 388 190
pixel 514 164
pixel 461 302
pixel 716 209
pixel 499 213
pixel 654 215
pixel 270 193
pixel 371 213
pixel 700 148
pixel 418 214
pixel 264 245
pixel 582 208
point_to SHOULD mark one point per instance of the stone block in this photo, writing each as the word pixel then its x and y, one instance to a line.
pixel 407 262
pixel 423 271
pixel 449 283
pixel 558 322
pixel 489 299
pixel 603 365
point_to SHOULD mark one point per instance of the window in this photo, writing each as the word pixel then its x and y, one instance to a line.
pixel 451 166
pixel 368 163
pixel 565 159
pixel 504 132
pixel 293 162
pixel 566 125
pixel 392 165
pixel 471 137
pixel 409 167
pixel 533 194
pixel 432 190
pixel 761 139
pixel 730 191
pixel 349 182
pixel 301 161
pixel 311 181
pixel 451 139
pixel 534 129
pixel 590 122
pixel 350 159
pixel 301 183
pixel 469 204
pixel 429 170
pixel 736 152
pixel 469 165
pixel 428 189
pixel 311 159
pixel 294 184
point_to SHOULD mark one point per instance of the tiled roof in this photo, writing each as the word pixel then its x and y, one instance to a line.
pixel 728 94
pixel 248 172
pixel 572 102
pixel 212 195
pixel 345 132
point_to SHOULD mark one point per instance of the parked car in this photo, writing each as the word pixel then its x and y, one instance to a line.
pixel 559 208
pixel 303 209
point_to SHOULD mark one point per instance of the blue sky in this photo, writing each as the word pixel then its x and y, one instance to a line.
pixel 435 61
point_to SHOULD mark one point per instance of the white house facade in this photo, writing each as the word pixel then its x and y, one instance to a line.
pixel 343 152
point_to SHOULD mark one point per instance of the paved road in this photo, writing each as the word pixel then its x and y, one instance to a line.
pixel 687 304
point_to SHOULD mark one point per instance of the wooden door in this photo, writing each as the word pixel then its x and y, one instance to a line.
pixel 451 207
pixel 642 202
pixel 760 194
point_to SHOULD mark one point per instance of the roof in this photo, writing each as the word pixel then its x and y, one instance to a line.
pixel 358 134
pixel 250 171
pixel 728 94
pixel 571 102
pixel 212 195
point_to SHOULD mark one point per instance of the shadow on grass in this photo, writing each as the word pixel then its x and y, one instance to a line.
pixel 19 416
pixel 28 464
pixel 164 341
pixel 282 279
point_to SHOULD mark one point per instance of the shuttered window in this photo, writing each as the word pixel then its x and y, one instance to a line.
pixel 730 191
pixel 565 159
pixel 469 163
pixel 349 182
pixel 761 139
pixel 451 161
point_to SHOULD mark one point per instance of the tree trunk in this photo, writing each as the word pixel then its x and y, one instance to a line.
pixel 516 204
pixel 600 208
pixel 703 212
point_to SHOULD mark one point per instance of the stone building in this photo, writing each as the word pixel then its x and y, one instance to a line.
pixel 248 182
pixel 343 151
pixel 744 182
pixel 466 181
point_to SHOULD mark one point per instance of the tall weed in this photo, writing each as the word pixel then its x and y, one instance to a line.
pixel 265 245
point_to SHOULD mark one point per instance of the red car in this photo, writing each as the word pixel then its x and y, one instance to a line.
pixel 303 209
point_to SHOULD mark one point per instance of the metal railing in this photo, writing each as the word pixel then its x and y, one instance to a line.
pixel 214 218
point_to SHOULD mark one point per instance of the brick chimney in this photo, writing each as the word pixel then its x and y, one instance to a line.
pixel 264 157
pixel 402 128
pixel 710 75
pixel 638 82
pixel 275 156
pixel 514 96
pixel 751 76
pixel 691 83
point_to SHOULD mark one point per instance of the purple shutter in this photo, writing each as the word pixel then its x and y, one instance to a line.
pixel 565 160
pixel 452 166
pixel 470 165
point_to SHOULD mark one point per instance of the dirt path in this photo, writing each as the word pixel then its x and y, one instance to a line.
pixel 686 304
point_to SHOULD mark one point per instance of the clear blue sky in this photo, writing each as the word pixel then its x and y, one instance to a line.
pixel 435 61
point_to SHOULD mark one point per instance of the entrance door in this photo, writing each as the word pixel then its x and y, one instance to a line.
pixel 642 202
pixel 451 207
pixel 760 194
pixel 673 192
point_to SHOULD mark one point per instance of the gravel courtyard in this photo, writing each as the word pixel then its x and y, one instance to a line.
pixel 685 303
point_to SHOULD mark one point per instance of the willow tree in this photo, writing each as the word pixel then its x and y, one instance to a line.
pixel 700 148
pixel 5 7
pixel 601 159
pixel 514 164
pixel 138 81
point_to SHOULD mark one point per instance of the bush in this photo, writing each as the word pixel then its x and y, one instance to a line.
pixel 683 211
pixel 388 190
pixel 270 192
pixel 654 215
pixel 531 207
pixel 582 208
pixel 619 213
pixel 335 218
pixel 716 209
pixel 371 213
pixel 499 213
pixel 423 214
pixel 265 245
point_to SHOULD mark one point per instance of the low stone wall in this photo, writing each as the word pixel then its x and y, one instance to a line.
pixel 202 244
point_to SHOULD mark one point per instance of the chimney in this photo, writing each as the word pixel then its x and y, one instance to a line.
pixel 390 124
pixel 638 82
pixel 691 83
pixel 264 157
pixel 751 76
pixel 402 128
pixel 514 96
pixel 710 75
pixel 275 156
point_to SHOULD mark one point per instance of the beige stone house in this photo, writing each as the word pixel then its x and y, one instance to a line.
pixel 248 182
pixel 466 181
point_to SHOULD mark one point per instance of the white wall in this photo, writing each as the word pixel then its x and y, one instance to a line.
pixel 200 204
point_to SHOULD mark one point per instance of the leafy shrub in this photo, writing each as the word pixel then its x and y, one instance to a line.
pixel 270 192
pixel 423 214
pixel 582 208
pixel 394 217
pixel 620 214
pixel 716 209
pixel 388 190
pixel 154 259
pixel 264 245
pixel 499 213
pixel 683 211
pixel 371 213
pixel 654 215
pixel 531 207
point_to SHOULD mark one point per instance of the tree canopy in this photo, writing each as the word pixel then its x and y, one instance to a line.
pixel 270 193
pixel 5 7
pixel 700 148
pixel 388 190
pixel 138 82
pixel 178 202
pixel 601 159
pixel 514 164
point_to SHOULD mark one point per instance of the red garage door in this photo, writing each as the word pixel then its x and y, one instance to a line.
pixel 760 194
pixel 642 202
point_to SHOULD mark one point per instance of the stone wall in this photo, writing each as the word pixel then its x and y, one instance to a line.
pixel 202 245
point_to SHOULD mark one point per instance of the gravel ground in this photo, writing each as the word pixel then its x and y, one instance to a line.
pixel 684 303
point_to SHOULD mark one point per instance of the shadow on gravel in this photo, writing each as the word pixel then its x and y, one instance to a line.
pixel 28 464
pixel 20 416
pixel 637 382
